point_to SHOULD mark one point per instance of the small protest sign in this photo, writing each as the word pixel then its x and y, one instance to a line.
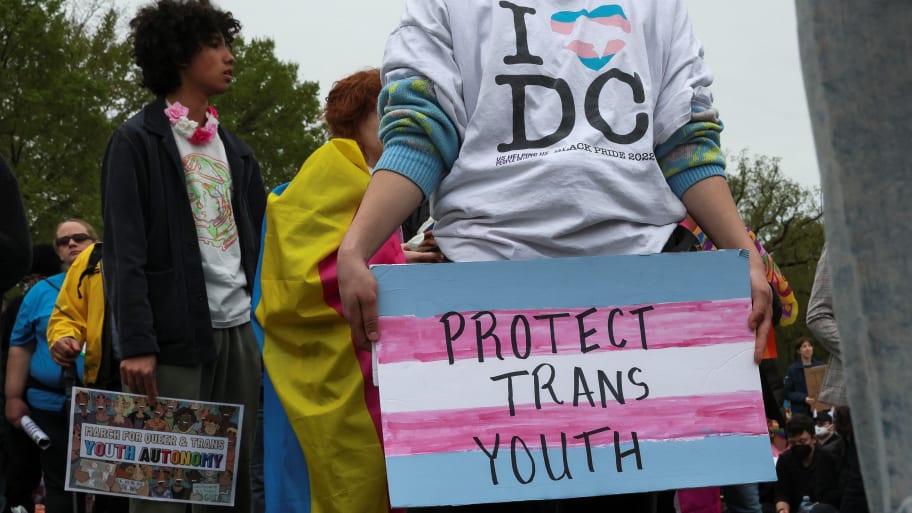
pixel 173 450
pixel 813 376
pixel 508 381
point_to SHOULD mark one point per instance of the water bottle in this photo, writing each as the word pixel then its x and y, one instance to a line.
pixel 806 505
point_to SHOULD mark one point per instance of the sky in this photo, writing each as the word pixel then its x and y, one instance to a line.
pixel 752 48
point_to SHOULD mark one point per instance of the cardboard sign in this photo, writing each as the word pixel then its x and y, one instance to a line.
pixel 813 376
pixel 507 381
pixel 174 450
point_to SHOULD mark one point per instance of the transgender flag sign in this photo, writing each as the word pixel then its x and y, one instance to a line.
pixel 540 379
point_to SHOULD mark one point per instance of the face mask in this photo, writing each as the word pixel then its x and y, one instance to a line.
pixel 821 431
pixel 801 451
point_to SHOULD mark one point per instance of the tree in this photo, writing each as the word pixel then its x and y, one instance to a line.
pixel 63 85
pixel 788 219
pixel 68 82
pixel 269 109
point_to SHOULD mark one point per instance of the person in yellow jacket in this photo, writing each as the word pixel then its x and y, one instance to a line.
pixel 78 320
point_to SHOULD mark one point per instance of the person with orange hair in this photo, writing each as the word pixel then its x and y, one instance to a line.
pixel 321 408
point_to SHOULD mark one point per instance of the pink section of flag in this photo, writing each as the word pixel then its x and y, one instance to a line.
pixel 685 324
pixel 668 418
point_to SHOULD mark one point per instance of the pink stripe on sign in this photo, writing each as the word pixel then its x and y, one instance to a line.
pixel 524 333
pixel 667 418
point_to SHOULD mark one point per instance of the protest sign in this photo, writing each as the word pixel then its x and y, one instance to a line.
pixel 172 450
pixel 813 377
pixel 507 381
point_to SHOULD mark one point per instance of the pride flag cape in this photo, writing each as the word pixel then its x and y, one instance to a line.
pixel 773 273
pixel 322 448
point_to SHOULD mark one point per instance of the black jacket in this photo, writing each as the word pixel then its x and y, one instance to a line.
pixel 15 246
pixel 818 481
pixel 153 267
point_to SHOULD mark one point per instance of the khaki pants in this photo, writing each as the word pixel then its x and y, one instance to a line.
pixel 234 377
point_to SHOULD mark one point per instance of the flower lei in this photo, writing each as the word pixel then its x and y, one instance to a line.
pixel 177 116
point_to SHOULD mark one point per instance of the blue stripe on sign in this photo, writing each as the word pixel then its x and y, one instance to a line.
pixel 433 289
pixel 465 478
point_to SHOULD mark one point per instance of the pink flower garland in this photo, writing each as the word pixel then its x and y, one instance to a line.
pixel 177 116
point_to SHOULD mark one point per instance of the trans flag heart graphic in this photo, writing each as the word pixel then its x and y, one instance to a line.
pixel 594 36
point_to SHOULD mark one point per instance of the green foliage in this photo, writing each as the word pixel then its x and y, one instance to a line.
pixel 59 106
pixel 788 219
pixel 271 111
pixel 68 81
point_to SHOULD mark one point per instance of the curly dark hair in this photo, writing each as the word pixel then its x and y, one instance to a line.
pixel 350 101
pixel 166 35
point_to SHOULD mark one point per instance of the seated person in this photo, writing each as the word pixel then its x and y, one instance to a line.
pixel 804 469
pixel 825 430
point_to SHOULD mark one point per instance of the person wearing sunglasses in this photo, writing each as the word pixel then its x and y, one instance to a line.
pixel 35 385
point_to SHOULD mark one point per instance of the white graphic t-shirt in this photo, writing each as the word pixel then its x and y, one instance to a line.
pixel 559 105
pixel 209 187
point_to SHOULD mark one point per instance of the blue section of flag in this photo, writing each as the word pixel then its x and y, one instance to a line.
pixel 427 480
pixel 563 282
pixel 286 480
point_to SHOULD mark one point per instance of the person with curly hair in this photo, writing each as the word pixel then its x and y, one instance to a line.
pixel 183 201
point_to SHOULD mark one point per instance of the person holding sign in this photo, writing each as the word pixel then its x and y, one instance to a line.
pixel 796 390
pixel 545 132
pixel 183 203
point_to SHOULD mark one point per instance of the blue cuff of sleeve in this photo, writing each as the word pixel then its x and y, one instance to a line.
pixel 422 168
pixel 682 181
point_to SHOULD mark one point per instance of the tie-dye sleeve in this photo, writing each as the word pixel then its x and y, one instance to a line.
pixel 692 153
pixel 420 142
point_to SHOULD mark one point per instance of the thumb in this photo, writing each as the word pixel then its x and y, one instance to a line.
pixel 371 323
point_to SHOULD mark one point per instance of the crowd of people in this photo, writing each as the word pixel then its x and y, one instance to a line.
pixel 197 267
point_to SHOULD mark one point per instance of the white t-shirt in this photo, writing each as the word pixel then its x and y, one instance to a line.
pixel 559 106
pixel 208 178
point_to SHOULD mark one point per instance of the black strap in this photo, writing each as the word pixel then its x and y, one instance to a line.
pixel 31 382
pixel 109 369
pixel 681 240
pixel 49 282
pixel 91 267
